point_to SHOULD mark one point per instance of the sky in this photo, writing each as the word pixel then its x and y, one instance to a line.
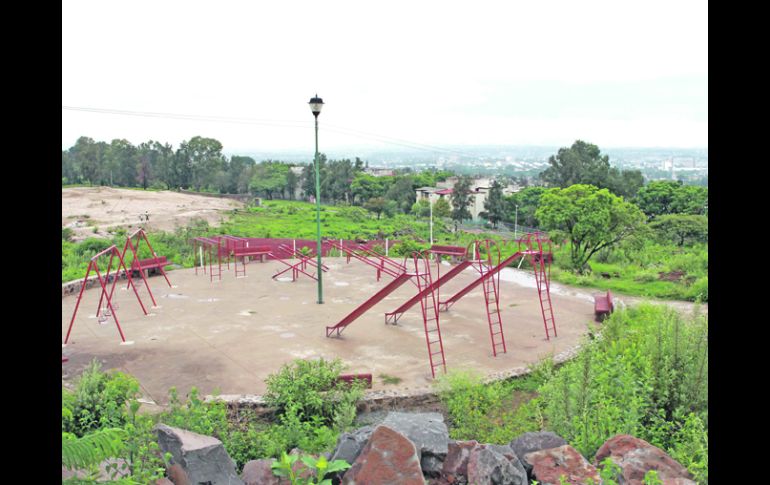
pixel 396 73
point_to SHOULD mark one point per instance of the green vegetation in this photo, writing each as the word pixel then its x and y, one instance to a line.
pixel 646 375
pixel 319 467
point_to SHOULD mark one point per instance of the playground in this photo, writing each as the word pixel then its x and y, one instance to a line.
pixel 226 334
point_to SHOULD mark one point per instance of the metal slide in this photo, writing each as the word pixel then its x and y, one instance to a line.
pixel 376 298
pixel 392 317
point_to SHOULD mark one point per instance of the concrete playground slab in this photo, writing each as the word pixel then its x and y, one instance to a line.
pixel 227 336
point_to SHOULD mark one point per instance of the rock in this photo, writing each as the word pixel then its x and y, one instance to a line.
pixel 163 481
pixel 258 472
pixel 508 452
pixel 455 467
pixel 486 465
pixel 177 475
pixel 202 458
pixel 529 442
pixel 349 445
pixel 636 457
pixel 550 464
pixel 429 434
pixel 388 457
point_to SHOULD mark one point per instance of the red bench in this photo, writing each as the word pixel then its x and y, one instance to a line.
pixel 603 306
pixel 148 264
pixel 349 378
pixel 260 251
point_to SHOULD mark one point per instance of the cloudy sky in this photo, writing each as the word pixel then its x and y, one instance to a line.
pixel 617 74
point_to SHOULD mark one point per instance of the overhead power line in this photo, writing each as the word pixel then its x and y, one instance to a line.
pixel 278 123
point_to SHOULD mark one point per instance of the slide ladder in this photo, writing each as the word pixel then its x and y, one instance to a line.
pixel 392 317
pixel 361 309
pixel 430 314
pixel 542 267
pixel 491 287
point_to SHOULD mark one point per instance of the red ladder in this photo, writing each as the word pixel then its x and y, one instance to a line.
pixel 491 287
pixel 542 267
pixel 430 316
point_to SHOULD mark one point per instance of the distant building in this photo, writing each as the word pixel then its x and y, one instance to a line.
pixel 479 190
pixel 379 172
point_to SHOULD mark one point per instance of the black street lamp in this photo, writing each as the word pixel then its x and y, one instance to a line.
pixel 316 104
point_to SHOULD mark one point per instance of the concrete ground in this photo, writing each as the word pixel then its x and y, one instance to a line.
pixel 227 336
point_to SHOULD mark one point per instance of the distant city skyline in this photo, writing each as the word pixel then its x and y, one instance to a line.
pixel 613 74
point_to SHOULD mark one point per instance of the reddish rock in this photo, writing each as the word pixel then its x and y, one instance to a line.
pixel 258 472
pixel 177 475
pixel 636 457
pixel 388 457
pixel 455 467
pixel 163 481
pixel 549 465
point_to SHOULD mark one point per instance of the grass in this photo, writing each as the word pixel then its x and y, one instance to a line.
pixel 388 379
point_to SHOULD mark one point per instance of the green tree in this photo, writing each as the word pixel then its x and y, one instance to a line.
pixel 441 208
pixel 269 178
pixel 376 205
pixel 203 160
pixel 461 199
pixel 402 193
pixel 592 218
pixel 421 208
pixel 365 187
pixel 235 170
pixel 527 200
pixel 657 197
pixel 495 205
pixel 681 229
pixel 583 163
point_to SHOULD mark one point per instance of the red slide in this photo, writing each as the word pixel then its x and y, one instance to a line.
pixel 444 305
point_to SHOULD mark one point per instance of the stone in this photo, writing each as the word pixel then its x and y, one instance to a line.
pixel 508 452
pixel 550 464
pixel 455 467
pixel 177 475
pixel 487 465
pixel 388 457
pixel 529 442
pixel 636 457
pixel 259 472
pixel 203 458
pixel 349 445
pixel 429 434
pixel 163 481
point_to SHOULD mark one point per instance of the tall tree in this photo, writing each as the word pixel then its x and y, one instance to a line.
pixel 527 200
pixel 592 218
pixel 402 193
pixel 441 208
pixel 461 199
pixel 204 160
pixel 495 205
pixel 269 178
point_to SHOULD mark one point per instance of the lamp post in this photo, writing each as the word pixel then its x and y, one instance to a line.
pixel 430 202
pixel 316 104
pixel 516 224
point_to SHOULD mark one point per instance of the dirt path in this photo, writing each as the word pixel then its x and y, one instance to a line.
pixel 85 209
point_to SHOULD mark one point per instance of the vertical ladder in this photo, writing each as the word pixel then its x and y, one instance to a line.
pixel 491 287
pixel 430 316
pixel 542 269
pixel 212 271
pixel 243 264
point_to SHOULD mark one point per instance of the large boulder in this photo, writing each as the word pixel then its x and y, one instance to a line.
pixel 529 442
pixel 508 452
pixel 429 434
pixel 455 467
pixel 487 465
pixel 548 466
pixel 388 457
pixel 203 458
pixel 349 445
pixel 636 457
pixel 260 472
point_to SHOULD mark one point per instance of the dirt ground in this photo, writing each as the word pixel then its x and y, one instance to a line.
pixel 229 335
pixel 106 208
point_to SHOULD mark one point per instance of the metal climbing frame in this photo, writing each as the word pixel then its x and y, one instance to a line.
pixel 541 264
pixel 140 236
pixel 296 268
pixel 391 269
pixel 430 315
pixel 106 296
pixel 210 244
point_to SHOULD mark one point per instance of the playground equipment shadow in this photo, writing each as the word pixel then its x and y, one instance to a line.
pixel 227 336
